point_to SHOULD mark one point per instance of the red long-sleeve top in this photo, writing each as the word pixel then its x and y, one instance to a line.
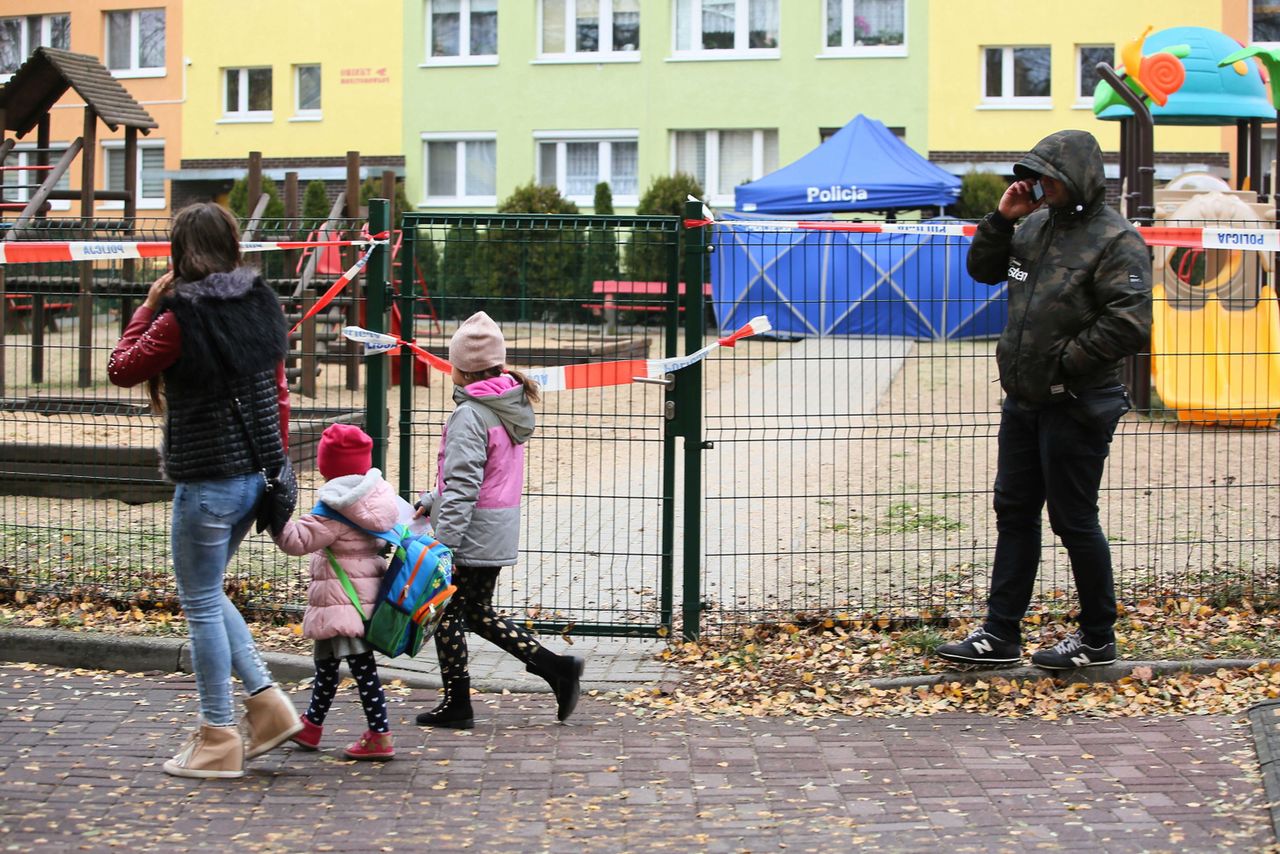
pixel 150 344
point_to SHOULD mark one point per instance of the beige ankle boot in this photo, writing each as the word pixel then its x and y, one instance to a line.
pixel 269 720
pixel 212 751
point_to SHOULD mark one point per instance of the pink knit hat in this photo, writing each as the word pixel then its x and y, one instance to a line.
pixel 344 449
pixel 477 345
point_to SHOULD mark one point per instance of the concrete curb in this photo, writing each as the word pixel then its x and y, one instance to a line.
pixel 1264 720
pixel 102 651
pixel 1105 673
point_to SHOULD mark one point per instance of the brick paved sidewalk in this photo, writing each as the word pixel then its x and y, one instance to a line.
pixel 80 756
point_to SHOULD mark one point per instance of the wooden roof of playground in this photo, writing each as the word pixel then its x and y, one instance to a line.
pixel 48 73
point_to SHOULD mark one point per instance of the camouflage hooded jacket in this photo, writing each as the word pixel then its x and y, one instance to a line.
pixel 1079 279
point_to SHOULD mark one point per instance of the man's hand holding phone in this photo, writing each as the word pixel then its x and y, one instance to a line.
pixel 1020 199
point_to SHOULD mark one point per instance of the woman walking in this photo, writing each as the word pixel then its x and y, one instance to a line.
pixel 210 339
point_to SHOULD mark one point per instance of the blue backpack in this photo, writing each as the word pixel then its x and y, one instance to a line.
pixel 413 594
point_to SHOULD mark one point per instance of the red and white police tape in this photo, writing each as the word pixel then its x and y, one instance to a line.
pixel 45 251
pixel 569 377
pixel 1188 237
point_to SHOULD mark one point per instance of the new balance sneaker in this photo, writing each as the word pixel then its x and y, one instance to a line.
pixel 981 648
pixel 1072 652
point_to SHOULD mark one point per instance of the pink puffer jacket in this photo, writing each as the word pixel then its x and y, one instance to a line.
pixel 369 501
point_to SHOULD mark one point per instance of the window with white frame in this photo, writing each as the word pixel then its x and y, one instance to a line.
pixel 574 163
pixel 1087 58
pixel 135 42
pixel 246 94
pixel 461 30
pixel 306 91
pixel 723 159
pixel 20 184
pixel 866 27
pixel 20 36
pixel 726 26
pixel 150 166
pixel 460 169
pixel 1015 76
pixel 1266 21
pixel 589 28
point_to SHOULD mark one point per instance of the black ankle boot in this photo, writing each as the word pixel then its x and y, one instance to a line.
pixel 564 674
pixel 454 709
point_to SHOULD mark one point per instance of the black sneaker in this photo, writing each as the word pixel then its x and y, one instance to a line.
pixel 1072 652
pixel 981 648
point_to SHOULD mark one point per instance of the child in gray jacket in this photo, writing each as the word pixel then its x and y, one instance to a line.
pixel 475 509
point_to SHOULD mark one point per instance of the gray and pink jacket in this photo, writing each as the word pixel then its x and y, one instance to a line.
pixel 475 508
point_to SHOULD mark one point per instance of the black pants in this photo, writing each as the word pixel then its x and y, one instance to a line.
pixel 364 670
pixel 1055 455
pixel 472 608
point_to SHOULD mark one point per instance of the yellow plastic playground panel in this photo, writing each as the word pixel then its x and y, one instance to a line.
pixel 1218 366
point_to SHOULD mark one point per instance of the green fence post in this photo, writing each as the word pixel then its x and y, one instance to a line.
pixel 687 396
pixel 375 283
pixel 408 362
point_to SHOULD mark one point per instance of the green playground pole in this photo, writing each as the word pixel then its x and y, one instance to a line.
pixel 376 286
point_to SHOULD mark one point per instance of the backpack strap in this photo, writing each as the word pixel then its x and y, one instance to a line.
pixel 345 581
pixel 393 536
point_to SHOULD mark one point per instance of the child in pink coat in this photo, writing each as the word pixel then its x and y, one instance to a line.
pixel 356 490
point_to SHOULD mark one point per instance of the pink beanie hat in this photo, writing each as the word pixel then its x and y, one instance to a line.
pixel 477 345
pixel 344 449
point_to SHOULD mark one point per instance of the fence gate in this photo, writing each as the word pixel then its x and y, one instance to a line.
pixel 597 537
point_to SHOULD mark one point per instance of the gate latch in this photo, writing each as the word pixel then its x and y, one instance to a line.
pixel 668 382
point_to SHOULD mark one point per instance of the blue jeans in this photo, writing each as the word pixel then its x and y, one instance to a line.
pixel 210 518
pixel 1054 454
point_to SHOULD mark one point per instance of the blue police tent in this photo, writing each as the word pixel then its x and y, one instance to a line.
pixel 824 282
pixel 863 167
pixel 819 283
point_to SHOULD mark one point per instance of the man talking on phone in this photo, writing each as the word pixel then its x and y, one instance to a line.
pixel 1079 294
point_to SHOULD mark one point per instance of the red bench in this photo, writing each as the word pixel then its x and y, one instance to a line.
pixel 628 296
pixel 20 307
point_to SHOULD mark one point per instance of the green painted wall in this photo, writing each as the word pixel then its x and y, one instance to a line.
pixel 797 93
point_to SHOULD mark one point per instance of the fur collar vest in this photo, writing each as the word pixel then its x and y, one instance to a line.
pixel 230 322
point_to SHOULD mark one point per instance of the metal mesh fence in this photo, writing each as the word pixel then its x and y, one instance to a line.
pixel 848 457
pixel 854 452
pixel 85 511
pixel 597 533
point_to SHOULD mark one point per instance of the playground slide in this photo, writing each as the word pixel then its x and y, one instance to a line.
pixel 1218 366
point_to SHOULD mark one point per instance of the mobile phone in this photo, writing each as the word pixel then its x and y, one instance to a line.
pixel 1037 191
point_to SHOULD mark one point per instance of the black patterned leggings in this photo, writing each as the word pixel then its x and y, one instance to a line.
pixel 472 608
pixel 365 671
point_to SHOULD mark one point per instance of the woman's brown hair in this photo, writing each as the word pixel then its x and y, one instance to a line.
pixel 530 386
pixel 204 239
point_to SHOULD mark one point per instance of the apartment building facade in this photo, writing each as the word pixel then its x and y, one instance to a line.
pixel 569 93
pixel 469 99
pixel 142 45
pixel 1004 75
pixel 301 83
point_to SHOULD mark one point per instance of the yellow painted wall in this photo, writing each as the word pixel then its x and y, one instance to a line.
pixel 359 50
pixel 160 96
pixel 960 30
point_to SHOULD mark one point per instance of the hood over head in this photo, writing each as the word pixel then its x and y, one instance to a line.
pixel 1072 157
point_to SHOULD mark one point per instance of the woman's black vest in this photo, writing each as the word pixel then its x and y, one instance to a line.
pixel 233 339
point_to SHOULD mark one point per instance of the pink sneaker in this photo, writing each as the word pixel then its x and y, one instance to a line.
pixel 372 746
pixel 309 738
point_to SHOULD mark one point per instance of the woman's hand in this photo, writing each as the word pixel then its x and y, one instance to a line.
pixel 159 288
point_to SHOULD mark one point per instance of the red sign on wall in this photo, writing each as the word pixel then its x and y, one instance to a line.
pixel 349 76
